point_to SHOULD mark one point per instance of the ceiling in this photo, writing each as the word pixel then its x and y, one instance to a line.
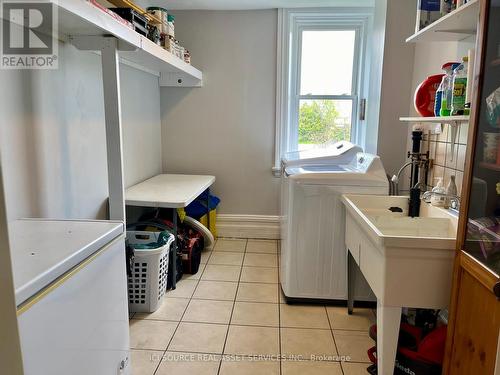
pixel 252 4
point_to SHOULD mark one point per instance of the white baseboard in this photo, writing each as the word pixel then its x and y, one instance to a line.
pixel 248 226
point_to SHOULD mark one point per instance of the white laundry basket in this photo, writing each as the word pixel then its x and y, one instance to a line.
pixel 148 281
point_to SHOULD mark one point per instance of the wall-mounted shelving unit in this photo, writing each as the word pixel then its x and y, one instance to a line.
pixel 436 120
pixel 455 26
pixel 79 19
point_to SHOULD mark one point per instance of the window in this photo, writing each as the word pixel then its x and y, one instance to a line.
pixel 320 77
pixel 326 97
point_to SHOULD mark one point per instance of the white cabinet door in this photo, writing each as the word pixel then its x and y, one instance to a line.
pixel 79 324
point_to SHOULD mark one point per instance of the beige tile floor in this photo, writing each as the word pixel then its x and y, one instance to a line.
pixel 232 310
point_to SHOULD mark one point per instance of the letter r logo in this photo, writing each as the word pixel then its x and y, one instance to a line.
pixel 29 28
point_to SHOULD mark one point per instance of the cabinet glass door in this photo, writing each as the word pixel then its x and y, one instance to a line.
pixel 483 228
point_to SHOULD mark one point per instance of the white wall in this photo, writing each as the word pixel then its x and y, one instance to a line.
pixel 375 53
pixel 226 128
pixel 390 92
pixel 232 116
pixel 52 136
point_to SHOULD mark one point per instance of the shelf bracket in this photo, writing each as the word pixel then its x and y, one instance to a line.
pixel 453 137
pixel 112 114
pixel 179 80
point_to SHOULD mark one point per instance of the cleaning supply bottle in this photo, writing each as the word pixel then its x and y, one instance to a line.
pixel 451 190
pixel 447 90
pixel 448 70
pixel 438 200
pixel 459 89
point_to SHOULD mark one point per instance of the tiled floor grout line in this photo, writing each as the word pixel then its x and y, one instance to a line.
pixel 182 316
pixel 228 300
pixel 250 325
pixel 334 341
pixel 244 282
pixel 232 310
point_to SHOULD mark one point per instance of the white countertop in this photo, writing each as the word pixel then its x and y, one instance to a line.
pixel 168 190
pixel 42 250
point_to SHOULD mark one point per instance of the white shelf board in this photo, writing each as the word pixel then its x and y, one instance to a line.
pixel 436 120
pixel 168 190
pixel 43 250
pixel 455 26
pixel 80 18
pixel 173 71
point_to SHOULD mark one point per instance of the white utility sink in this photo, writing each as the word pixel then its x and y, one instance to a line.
pixel 386 221
pixel 407 262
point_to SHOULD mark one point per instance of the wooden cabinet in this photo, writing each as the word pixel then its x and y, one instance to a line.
pixel 473 336
pixel 473 330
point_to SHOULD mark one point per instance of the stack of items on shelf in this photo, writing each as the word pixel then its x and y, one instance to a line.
pixel 137 20
pixel 111 13
pixel 447 94
pixel 154 23
pixel 167 33
pixel 429 11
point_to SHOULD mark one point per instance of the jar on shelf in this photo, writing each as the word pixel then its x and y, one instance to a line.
pixel 178 50
pixel 171 25
pixel 162 15
pixel 187 57
pixel 168 43
pixel 154 34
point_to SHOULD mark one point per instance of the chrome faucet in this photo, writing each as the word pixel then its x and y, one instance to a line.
pixel 454 200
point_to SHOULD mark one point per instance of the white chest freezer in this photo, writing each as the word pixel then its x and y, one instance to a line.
pixel 70 285
pixel 313 253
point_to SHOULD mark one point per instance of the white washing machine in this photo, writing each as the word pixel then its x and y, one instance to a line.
pixel 313 253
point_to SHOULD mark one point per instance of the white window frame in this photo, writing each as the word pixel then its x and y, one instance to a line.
pixel 291 23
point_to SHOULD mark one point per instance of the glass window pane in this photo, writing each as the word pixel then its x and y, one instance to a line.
pixel 324 121
pixel 327 62
pixel 483 227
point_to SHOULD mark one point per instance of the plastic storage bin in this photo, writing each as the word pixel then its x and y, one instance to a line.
pixel 198 210
pixel 148 282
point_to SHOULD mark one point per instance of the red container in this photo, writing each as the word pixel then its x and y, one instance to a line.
pixel 425 95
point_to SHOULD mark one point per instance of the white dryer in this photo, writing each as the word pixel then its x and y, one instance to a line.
pixel 313 253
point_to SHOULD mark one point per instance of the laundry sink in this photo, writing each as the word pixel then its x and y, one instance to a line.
pixel 385 220
pixel 407 262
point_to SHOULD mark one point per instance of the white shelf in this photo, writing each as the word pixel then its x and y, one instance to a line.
pixel 42 250
pixel 168 190
pixel 455 26
pixel 79 18
pixel 436 120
